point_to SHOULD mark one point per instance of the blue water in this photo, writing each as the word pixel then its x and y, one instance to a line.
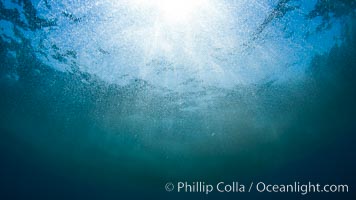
pixel 112 100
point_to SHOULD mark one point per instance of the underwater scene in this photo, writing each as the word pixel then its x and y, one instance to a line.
pixel 177 99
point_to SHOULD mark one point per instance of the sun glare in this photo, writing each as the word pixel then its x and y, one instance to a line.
pixel 174 11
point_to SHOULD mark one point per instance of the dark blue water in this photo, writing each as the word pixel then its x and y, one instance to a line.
pixel 105 100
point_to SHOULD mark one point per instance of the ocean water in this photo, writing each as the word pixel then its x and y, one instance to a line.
pixel 114 99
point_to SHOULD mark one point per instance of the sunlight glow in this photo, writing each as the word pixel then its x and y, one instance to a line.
pixel 174 11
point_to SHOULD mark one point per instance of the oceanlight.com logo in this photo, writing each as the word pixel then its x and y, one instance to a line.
pixel 260 187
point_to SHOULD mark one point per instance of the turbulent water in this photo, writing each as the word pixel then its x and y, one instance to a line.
pixel 112 99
